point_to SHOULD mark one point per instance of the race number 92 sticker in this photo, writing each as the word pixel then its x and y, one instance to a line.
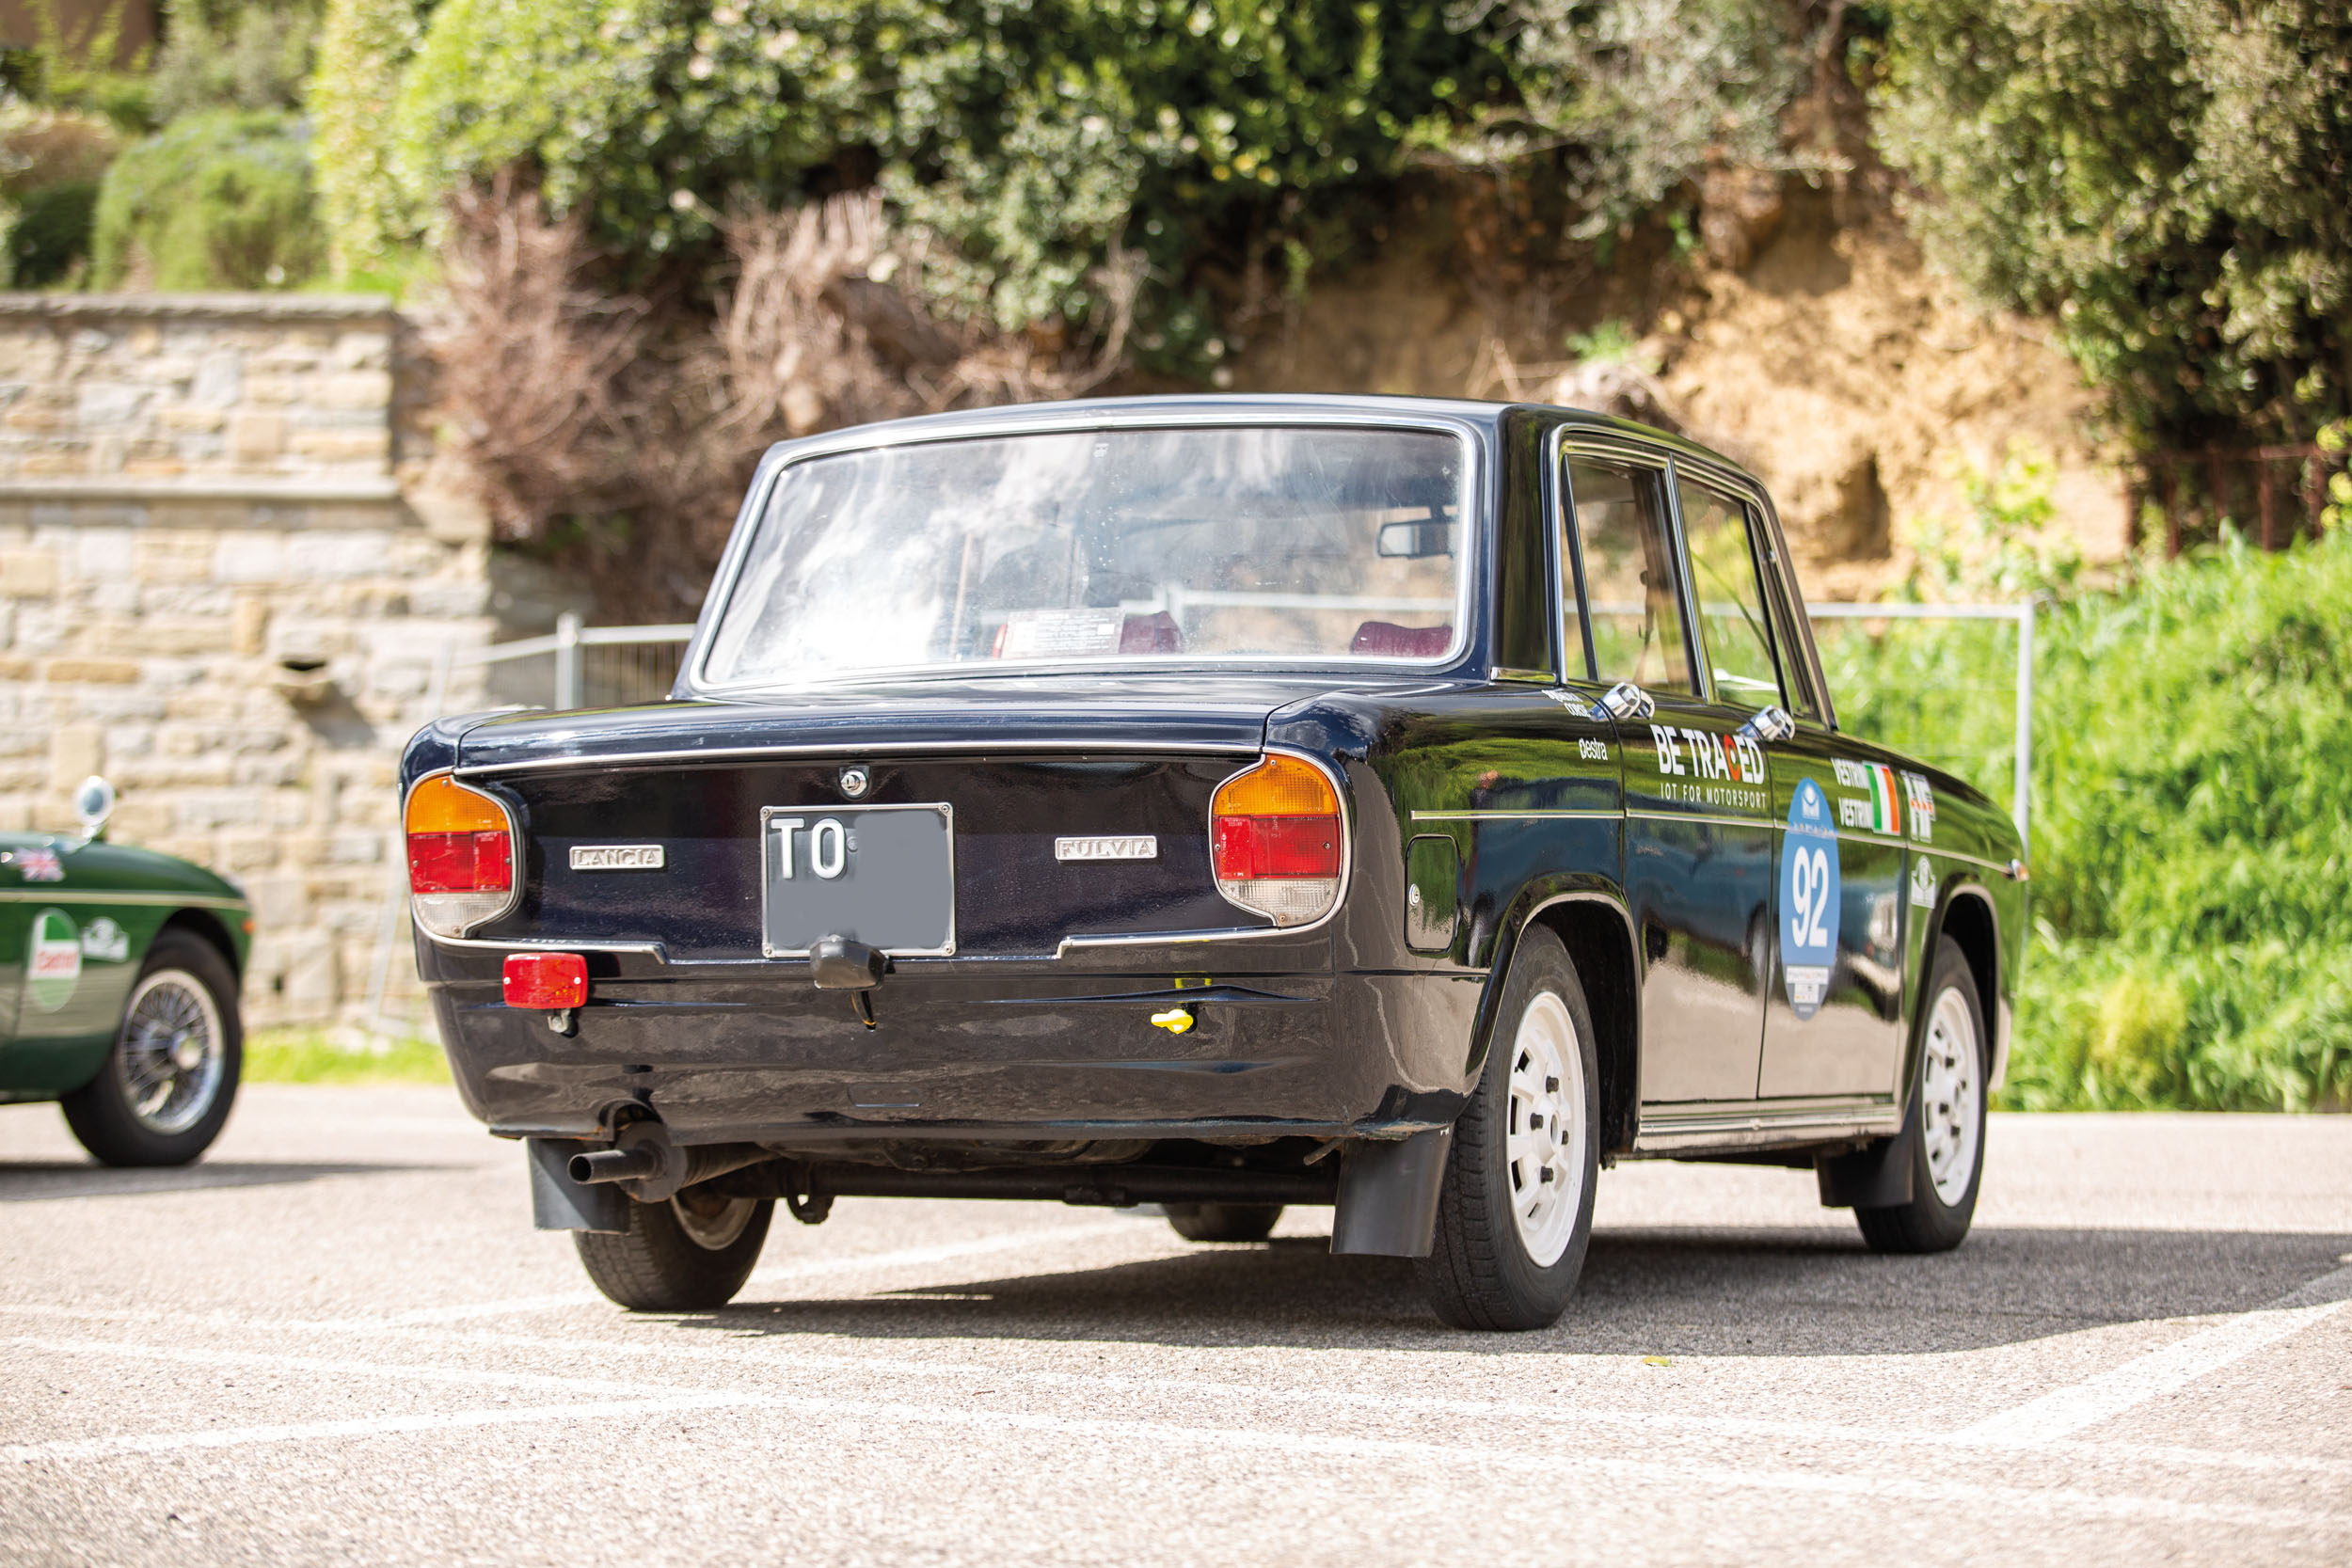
pixel 1809 899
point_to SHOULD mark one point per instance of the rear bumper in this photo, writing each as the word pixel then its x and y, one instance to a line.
pixel 1013 1057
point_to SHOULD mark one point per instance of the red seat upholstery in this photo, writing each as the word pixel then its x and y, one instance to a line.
pixel 1150 634
pixel 1386 640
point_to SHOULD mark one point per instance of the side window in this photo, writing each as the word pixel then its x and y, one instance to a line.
pixel 1632 612
pixel 1730 598
pixel 1789 624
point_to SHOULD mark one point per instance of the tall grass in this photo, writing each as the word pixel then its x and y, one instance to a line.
pixel 2193 810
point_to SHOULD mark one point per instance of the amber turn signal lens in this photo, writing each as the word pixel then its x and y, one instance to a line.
pixel 1278 787
pixel 443 805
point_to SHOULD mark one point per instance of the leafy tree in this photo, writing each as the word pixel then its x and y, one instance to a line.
pixel 1029 140
pixel 1637 97
pixel 2168 177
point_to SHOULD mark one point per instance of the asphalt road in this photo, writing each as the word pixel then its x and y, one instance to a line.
pixel 337 1339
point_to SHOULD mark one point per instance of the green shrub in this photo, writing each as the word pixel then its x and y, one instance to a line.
pixel 249 56
pixel 2192 846
pixel 52 232
pixel 215 200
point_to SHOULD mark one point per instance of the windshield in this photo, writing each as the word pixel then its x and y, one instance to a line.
pixel 1103 547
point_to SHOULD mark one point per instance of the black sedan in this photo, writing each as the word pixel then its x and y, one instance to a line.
pixel 1221 804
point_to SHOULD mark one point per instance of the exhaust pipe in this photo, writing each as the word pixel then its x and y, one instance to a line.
pixel 614 1165
pixel 651 1168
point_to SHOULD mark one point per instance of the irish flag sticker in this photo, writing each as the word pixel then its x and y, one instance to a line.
pixel 54 967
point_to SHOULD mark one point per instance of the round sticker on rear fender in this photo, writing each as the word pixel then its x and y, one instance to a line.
pixel 1809 899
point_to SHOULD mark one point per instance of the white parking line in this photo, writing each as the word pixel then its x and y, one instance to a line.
pixel 2064 1412
pixel 1223 1440
pixel 192 1356
pixel 741 1356
pixel 366 1426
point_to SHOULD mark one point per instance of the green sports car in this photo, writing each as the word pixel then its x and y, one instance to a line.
pixel 118 988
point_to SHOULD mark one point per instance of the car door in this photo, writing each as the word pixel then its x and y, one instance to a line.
pixel 1698 842
pixel 1843 810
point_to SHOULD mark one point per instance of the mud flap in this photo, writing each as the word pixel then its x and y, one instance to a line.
pixel 1878 1177
pixel 1388 1204
pixel 560 1203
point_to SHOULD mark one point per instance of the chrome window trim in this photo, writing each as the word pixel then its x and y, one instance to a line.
pixel 1473 497
pixel 1744 496
pixel 1567 571
pixel 514 854
pixel 1633 451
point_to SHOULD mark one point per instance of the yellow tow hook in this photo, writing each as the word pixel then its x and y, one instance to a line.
pixel 1175 1020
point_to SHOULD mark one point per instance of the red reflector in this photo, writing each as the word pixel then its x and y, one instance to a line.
pixel 546 980
pixel 460 862
pixel 1252 848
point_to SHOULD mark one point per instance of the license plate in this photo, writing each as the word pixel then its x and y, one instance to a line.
pixel 885 875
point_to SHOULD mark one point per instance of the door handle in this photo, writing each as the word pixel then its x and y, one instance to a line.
pixel 1769 724
pixel 1625 700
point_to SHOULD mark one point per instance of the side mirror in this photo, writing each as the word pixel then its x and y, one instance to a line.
pixel 93 802
pixel 1416 540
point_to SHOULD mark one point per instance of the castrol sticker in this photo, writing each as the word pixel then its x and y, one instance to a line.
pixel 54 967
pixel 1810 899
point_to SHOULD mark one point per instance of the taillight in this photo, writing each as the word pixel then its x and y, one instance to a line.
pixel 544 980
pixel 461 856
pixel 1279 842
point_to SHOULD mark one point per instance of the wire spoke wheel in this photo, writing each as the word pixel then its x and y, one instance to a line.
pixel 1950 1093
pixel 1544 1146
pixel 173 1052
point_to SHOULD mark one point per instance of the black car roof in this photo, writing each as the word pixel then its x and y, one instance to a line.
pixel 1485 414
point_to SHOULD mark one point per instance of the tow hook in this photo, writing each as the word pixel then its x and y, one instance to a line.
pixel 1176 1021
pixel 836 964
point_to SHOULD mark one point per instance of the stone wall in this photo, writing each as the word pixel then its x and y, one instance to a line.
pixel 228 577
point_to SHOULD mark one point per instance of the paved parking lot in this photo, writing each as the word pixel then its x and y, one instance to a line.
pixel 339 1339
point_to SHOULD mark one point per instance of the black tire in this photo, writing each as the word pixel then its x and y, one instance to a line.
pixel 1481 1271
pixel 665 1263
pixel 149 1103
pixel 1224 1221
pixel 1932 1221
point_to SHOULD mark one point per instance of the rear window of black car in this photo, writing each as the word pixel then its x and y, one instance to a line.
pixel 1250 545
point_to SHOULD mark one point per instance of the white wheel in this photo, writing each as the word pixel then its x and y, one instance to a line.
pixel 1515 1210
pixel 1944 1124
pixel 1952 1094
pixel 1544 1146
